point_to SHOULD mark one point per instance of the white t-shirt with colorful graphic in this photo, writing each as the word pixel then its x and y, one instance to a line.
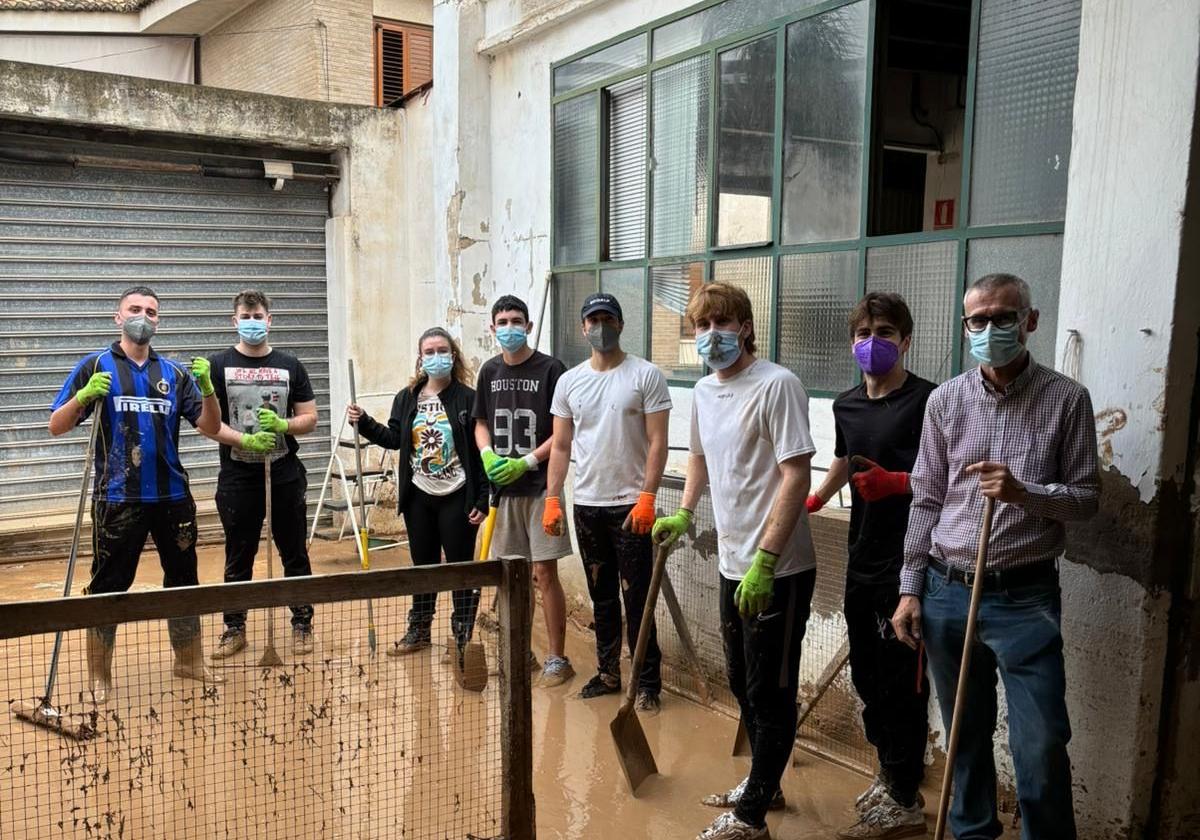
pixel 436 468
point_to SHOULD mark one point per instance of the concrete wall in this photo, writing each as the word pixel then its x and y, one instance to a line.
pixel 407 11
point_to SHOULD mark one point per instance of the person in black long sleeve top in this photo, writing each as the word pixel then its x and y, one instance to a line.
pixel 442 490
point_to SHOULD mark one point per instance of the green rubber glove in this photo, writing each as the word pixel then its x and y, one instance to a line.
pixel 508 470
pixel 97 388
pixel 259 442
pixel 490 460
pixel 667 529
pixel 753 594
pixel 202 370
pixel 269 421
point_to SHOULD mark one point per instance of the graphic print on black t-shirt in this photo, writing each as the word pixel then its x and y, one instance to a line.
pixel 887 431
pixel 515 403
pixel 243 385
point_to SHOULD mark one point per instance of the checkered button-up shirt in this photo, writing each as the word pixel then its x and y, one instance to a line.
pixel 1042 428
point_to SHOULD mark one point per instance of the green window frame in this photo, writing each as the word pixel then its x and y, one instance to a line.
pixel 1027 237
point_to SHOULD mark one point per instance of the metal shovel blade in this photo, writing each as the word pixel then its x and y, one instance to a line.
pixel 741 741
pixel 471 670
pixel 633 750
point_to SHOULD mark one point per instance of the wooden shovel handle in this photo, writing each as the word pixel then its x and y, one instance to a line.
pixel 643 639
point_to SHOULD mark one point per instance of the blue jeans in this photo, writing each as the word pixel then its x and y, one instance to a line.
pixel 1017 632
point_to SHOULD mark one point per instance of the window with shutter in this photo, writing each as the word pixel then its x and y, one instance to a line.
pixel 403 60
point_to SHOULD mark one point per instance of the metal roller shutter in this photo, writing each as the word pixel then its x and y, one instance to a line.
pixel 73 237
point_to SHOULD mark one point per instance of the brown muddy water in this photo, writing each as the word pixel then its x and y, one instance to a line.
pixel 340 745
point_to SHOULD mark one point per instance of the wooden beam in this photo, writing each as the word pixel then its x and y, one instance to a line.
pixel 29 618
pixel 517 813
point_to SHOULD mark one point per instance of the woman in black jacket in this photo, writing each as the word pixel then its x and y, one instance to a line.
pixel 441 488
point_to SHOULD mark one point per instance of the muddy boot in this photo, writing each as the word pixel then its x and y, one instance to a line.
pixel 99 661
pixel 190 664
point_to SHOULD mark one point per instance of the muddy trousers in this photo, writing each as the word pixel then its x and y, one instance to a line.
pixel 119 531
pixel 762 656
pixel 243 511
pixel 891 682
pixel 618 565
pixel 438 524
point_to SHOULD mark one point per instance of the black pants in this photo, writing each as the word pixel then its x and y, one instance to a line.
pixel 436 524
pixel 119 531
pixel 618 565
pixel 242 510
pixel 895 696
pixel 762 656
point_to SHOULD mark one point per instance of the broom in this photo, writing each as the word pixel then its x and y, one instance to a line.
pixel 42 712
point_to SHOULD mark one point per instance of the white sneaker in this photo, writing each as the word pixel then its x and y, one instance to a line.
pixel 870 797
pixel 889 819
pixel 729 827
pixel 730 798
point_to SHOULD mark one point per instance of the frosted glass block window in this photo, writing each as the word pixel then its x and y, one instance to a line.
pixel 679 217
pixel 1038 261
pixel 609 61
pixel 752 275
pixel 926 276
pixel 823 125
pixel 715 22
pixel 626 164
pixel 816 294
pixel 1024 90
pixel 576 180
pixel 570 290
pixel 672 340
pixel 628 286
pixel 745 142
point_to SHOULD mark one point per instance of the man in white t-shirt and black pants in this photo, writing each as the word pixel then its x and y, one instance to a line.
pixel 750 442
pixel 611 412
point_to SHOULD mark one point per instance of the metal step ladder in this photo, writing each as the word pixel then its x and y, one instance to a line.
pixel 354 486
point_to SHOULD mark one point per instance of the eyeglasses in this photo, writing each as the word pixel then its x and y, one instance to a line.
pixel 1002 320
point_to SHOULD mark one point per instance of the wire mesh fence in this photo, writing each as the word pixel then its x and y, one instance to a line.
pixel 833 729
pixel 339 742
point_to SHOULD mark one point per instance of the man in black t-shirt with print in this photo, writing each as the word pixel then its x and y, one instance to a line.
pixel 878 429
pixel 513 430
pixel 266 401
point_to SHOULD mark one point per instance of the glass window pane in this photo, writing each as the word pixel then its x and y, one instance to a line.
pixel 672 342
pixel 569 293
pixel 926 276
pixel 1024 91
pixel 609 61
pixel 745 142
pixel 628 286
pixel 680 165
pixel 823 117
pixel 816 294
pixel 1038 261
pixel 627 170
pixel 576 176
pixel 716 22
pixel 753 275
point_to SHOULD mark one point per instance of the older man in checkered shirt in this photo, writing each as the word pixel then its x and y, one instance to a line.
pixel 1023 435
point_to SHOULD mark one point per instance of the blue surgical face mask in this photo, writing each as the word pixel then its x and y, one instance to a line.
pixel 719 348
pixel 252 330
pixel 996 346
pixel 511 339
pixel 437 366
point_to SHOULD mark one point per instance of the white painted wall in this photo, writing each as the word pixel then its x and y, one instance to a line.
pixel 164 57
pixel 407 11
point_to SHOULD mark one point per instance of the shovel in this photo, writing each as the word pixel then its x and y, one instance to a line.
pixel 633 751
pixel 270 657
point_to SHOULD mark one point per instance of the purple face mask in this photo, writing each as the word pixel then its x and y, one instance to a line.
pixel 876 356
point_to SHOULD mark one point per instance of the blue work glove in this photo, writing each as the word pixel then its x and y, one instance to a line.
pixel 753 594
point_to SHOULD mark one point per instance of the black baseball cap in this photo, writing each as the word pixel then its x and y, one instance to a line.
pixel 601 302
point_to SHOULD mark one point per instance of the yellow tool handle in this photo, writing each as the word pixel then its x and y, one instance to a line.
pixel 364 543
pixel 489 525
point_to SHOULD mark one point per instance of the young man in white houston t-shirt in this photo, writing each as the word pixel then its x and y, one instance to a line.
pixel 750 442
pixel 611 412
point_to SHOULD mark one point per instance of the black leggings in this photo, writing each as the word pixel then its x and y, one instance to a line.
pixel 436 524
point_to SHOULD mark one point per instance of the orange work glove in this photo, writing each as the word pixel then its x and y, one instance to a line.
pixel 641 518
pixel 813 503
pixel 877 483
pixel 552 517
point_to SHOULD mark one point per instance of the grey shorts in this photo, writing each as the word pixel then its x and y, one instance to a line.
pixel 519 531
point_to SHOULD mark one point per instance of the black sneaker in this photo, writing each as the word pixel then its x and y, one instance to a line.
pixel 412 641
pixel 648 702
pixel 600 685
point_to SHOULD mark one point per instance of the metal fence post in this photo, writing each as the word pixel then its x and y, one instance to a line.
pixel 516 701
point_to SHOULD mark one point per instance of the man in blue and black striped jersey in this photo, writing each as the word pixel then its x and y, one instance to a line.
pixel 141 488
